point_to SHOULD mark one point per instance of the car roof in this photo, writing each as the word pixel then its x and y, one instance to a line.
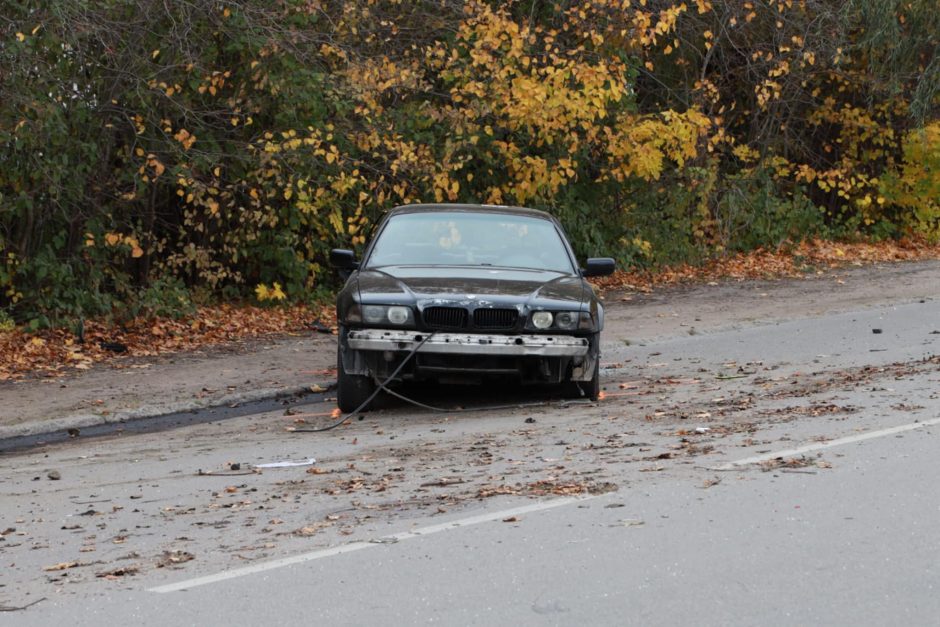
pixel 467 208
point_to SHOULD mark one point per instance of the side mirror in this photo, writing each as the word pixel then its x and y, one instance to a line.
pixel 343 259
pixel 598 266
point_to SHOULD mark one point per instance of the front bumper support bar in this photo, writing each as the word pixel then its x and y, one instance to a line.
pixel 469 343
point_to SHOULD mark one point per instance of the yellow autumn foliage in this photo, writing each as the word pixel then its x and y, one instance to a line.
pixel 656 130
pixel 916 184
pixel 265 293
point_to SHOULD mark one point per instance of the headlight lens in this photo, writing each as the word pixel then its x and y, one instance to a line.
pixel 587 322
pixel 561 320
pixel 542 319
pixel 398 315
pixel 380 314
pixel 353 314
pixel 373 313
pixel 567 320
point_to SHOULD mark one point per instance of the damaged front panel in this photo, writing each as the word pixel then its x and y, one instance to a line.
pixel 535 358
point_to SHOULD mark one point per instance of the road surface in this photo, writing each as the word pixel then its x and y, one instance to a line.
pixel 766 457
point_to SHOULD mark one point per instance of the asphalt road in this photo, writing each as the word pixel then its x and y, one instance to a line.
pixel 763 473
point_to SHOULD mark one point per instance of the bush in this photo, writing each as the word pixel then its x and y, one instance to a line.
pixel 165 297
pixel 182 152
pixel 6 322
pixel 753 212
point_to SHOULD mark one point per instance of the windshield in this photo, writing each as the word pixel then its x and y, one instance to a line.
pixel 470 239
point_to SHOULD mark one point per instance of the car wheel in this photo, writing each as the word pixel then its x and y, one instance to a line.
pixel 586 389
pixel 352 390
pixel 592 388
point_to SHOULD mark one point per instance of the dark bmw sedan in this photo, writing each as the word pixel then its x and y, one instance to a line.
pixel 463 293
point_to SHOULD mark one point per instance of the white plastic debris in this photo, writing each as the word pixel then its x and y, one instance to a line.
pixel 288 463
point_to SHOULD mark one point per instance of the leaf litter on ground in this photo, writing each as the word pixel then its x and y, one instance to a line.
pixel 57 352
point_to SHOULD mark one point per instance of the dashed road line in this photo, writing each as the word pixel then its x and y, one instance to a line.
pixel 358 546
pixel 818 446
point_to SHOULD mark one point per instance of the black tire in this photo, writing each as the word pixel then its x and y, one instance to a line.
pixel 592 388
pixel 586 389
pixel 352 390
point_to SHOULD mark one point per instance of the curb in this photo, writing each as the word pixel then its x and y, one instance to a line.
pixel 80 421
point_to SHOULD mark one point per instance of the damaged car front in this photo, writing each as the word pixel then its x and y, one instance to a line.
pixel 462 293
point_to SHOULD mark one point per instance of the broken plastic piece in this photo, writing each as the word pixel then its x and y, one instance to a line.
pixel 288 463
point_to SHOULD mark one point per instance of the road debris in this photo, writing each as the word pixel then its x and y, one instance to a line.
pixel 233 470
pixel 117 573
pixel 792 463
pixel 628 522
pixel 443 482
pixel 65 566
pixel 312 529
pixel 20 608
pixel 174 558
pixel 288 463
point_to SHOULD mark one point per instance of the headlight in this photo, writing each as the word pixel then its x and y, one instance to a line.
pixel 398 315
pixel 567 320
pixel 587 322
pixel 374 314
pixel 561 320
pixel 381 314
pixel 353 314
pixel 542 319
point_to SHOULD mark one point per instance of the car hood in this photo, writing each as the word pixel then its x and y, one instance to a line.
pixel 469 285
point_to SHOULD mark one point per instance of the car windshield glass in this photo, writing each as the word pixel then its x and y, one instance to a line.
pixel 470 239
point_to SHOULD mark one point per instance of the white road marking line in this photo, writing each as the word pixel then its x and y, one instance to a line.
pixel 809 448
pixel 356 546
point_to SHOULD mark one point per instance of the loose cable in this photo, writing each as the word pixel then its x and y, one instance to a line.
pixel 456 410
pixel 381 386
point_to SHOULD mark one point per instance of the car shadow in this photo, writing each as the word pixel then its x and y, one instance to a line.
pixel 462 397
